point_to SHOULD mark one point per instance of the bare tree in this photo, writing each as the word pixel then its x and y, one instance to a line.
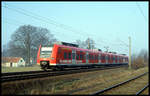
pixel 26 40
pixel 87 44
pixel 81 43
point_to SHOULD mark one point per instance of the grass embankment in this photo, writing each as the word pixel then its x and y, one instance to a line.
pixel 19 69
pixel 80 83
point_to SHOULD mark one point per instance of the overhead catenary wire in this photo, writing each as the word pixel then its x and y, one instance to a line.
pixel 44 20
pixel 141 11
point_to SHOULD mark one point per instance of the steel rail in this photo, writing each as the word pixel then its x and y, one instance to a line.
pixel 142 89
pixel 39 74
pixel 17 73
pixel 116 85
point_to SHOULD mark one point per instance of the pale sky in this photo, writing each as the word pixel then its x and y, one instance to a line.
pixel 107 23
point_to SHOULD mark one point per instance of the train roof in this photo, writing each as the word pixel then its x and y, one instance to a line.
pixel 81 49
pixel 89 50
pixel 67 44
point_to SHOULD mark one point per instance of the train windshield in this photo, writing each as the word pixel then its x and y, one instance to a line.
pixel 46 52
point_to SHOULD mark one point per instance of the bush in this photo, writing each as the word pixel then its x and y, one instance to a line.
pixel 140 60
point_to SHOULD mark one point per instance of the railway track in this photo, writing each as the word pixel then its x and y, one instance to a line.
pixel 140 91
pixel 124 84
pixel 15 76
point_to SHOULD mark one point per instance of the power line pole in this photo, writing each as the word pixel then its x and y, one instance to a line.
pixel 129 52
pixel 89 43
pixel 28 48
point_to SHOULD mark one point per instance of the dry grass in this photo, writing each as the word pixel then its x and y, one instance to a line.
pixel 71 83
pixel 19 69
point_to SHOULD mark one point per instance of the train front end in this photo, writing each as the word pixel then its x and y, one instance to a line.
pixel 44 56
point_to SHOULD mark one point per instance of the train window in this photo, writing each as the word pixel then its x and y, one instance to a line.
pixel 73 55
pixel 92 57
pixel 77 56
pixel 89 57
pixel 69 55
pixel 96 57
pixel 113 58
pixel 108 58
pixel 65 55
pixel 102 57
pixel 81 56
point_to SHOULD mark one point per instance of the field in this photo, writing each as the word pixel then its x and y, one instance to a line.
pixel 19 69
pixel 80 83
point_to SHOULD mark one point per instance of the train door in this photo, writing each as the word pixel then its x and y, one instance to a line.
pixel 114 59
pixel 73 56
pixel 117 59
pixel 106 58
pixel 99 59
pixel 87 56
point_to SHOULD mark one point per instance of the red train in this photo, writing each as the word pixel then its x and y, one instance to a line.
pixel 62 55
